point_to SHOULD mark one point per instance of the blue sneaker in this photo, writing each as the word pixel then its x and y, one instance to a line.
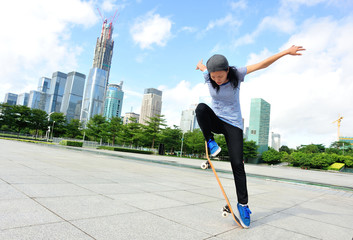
pixel 244 213
pixel 213 147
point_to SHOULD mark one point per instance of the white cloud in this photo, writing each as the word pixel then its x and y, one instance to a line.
pixel 228 20
pixel 35 41
pixel 281 23
pixel 188 29
pixel 151 29
pixel 132 101
pixel 307 93
pixel 241 4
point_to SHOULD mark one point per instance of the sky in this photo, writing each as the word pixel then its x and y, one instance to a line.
pixel 157 44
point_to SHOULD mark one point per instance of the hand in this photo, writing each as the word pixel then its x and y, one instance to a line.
pixel 293 50
pixel 200 66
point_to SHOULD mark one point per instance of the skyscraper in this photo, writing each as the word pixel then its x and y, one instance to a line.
pixel 104 48
pixel 72 98
pixel 275 141
pixel 56 90
pixel 22 99
pixel 94 94
pixel 151 104
pixel 44 84
pixel 39 100
pixel 188 120
pixel 98 77
pixel 113 100
pixel 10 98
pixel 259 124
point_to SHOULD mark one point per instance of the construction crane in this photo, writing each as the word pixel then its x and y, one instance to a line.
pixel 338 126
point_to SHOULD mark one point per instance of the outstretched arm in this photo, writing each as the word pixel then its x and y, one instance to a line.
pixel 293 50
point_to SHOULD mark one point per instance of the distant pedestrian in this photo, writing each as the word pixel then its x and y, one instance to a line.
pixel 225 115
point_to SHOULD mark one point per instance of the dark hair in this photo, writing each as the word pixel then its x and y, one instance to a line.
pixel 232 77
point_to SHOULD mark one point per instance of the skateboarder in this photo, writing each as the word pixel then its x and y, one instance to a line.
pixel 225 115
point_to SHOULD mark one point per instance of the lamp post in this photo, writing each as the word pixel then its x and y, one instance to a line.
pixel 52 130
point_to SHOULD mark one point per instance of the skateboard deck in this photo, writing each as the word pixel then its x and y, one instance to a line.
pixel 227 209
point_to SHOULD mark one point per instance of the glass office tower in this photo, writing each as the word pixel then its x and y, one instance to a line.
pixel 94 94
pixel 72 98
pixel 259 124
pixel 97 81
pixel 44 84
pixel 10 98
pixel 113 101
pixel 57 88
pixel 39 100
pixel 22 99
pixel 188 121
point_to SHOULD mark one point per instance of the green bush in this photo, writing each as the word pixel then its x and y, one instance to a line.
pixel 71 143
pixel 321 161
pixel 272 156
pixel 348 160
pixel 124 150
pixel 300 159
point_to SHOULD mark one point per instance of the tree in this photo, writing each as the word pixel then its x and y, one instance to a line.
pixel 131 133
pixel 57 124
pixel 311 148
pixel 73 128
pixel 194 142
pixel 20 117
pixel 272 156
pixel 285 148
pixel 5 116
pixel 39 120
pixel 95 127
pixel 113 127
pixel 171 138
pixel 249 150
pixel 340 144
pixel 153 127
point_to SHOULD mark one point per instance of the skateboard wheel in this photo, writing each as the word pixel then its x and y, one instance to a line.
pixel 224 214
pixel 204 165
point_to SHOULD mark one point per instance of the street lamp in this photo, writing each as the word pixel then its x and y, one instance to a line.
pixel 52 130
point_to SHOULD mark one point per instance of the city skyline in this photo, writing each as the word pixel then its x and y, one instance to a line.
pixel 157 44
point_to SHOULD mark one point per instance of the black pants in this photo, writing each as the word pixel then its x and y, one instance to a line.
pixel 209 124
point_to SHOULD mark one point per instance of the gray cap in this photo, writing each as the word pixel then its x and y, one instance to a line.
pixel 217 63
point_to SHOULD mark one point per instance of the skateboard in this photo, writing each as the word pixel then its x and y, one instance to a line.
pixel 228 208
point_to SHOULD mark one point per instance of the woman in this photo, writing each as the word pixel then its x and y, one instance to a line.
pixel 225 115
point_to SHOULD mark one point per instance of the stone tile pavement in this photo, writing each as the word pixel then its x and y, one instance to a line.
pixel 50 192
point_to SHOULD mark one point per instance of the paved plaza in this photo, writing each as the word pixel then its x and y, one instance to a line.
pixel 56 192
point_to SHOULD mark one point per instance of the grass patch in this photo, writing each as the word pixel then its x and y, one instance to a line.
pixel 124 150
pixel 24 140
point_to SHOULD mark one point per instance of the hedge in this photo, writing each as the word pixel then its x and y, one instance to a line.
pixel 316 160
pixel 71 143
pixel 124 150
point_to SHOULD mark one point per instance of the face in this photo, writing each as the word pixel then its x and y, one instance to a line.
pixel 220 77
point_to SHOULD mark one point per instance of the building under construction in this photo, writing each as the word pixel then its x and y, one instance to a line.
pixel 98 77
